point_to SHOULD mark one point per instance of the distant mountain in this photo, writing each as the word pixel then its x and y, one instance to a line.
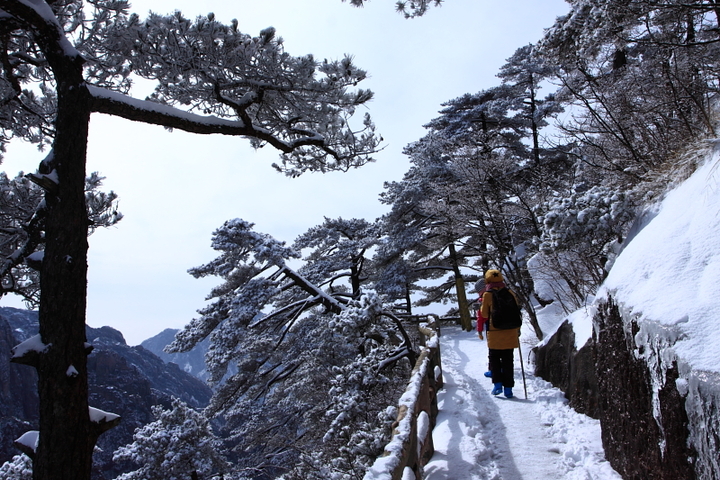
pixel 124 380
pixel 192 362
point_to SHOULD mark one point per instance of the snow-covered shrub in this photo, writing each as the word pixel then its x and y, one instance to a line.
pixel 580 235
pixel 179 442
pixel 19 468
pixel 356 417
pixel 593 218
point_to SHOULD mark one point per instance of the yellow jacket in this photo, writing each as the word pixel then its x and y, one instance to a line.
pixel 498 339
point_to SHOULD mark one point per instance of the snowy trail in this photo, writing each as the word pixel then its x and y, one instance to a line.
pixel 479 436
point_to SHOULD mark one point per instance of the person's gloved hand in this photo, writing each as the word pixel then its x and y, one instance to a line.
pixel 480 335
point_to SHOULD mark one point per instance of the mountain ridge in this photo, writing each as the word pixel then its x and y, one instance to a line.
pixel 122 379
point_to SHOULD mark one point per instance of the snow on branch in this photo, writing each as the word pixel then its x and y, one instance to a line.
pixel 28 442
pixel 130 108
pixel 44 20
pixel 394 357
pixel 248 85
pixel 27 352
pixel 100 416
pixel 103 421
pixel 328 301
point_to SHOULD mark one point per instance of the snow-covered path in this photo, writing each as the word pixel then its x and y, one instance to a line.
pixel 479 436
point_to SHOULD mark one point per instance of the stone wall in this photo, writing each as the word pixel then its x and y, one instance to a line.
pixel 608 380
pixel 570 370
pixel 638 443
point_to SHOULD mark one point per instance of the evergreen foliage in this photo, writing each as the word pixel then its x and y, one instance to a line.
pixel 547 188
pixel 178 445
pixel 318 362
pixel 544 188
pixel 22 218
pixel 19 468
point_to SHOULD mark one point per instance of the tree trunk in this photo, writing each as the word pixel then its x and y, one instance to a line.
pixel 535 129
pixel 408 299
pixel 465 320
pixel 66 437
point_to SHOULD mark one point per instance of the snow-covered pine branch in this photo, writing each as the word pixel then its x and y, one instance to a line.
pixel 299 350
pixel 179 444
pixel 22 223
pixel 212 78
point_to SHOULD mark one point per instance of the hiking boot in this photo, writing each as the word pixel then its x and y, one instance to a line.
pixel 497 390
pixel 508 392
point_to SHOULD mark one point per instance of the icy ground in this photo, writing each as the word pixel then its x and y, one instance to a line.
pixel 479 437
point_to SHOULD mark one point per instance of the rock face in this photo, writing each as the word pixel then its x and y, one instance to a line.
pixel 638 442
pixel 18 387
pixel 571 370
pixel 192 362
pixel 124 380
pixel 608 381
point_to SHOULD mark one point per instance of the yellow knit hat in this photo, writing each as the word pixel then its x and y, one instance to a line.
pixel 493 276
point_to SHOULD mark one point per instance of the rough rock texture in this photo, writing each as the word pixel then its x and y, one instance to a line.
pixel 608 381
pixel 570 370
pixel 123 380
pixel 637 444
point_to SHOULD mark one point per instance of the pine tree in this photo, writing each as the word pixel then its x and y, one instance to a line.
pixel 485 172
pixel 313 361
pixel 338 251
pixel 420 240
pixel 67 60
pixel 180 444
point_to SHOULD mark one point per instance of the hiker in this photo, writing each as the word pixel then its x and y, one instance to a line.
pixel 480 289
pixel 481 324
pixel 501 342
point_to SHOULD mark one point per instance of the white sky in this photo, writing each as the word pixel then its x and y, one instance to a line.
pixel 177 188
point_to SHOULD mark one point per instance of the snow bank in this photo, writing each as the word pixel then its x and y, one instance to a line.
pixel 669 273
pixel 666 279
pixel 575 437
pixel 552 317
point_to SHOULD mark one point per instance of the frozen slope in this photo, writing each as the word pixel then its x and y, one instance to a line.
pixel 478 436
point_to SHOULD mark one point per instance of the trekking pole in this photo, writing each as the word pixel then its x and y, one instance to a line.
pixel 522 368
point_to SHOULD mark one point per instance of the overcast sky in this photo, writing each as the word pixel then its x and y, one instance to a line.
pixel 177 188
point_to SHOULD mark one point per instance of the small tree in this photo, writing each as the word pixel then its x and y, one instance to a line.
pixel 178 445
pixel 338 252
pixel 19 468
pixel 420 240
